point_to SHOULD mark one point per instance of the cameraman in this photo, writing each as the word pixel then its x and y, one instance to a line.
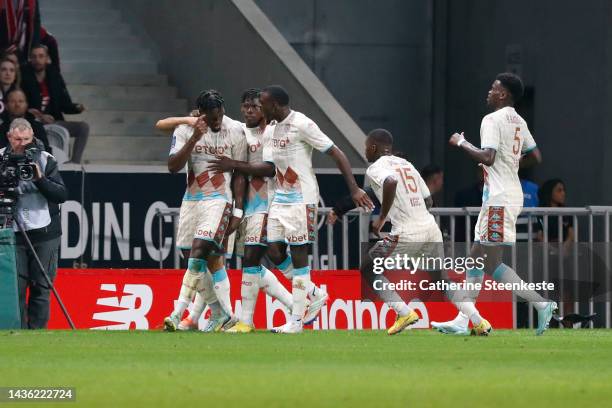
pixel 37 210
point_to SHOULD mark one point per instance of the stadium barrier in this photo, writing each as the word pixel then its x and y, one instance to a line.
pixel 575 264
pixel 122 299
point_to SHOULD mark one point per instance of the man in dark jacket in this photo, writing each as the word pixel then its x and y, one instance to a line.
pixel 37 211
pixel 49 99
pixel 17 107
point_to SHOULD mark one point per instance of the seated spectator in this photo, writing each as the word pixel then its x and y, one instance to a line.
pixel 17 107
pixel 49 99
pixel 9 80
pixel 552 194
pixel 47 39
pixel 434 178
pixel 20 28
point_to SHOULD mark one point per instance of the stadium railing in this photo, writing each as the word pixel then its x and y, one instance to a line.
pixel 591 236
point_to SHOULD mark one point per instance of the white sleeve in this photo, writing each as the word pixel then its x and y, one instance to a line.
pixel 240 146
pixel 179 137
pixel 528 142
pixel 312 135
pixel 378 174
pixel 267 149
pixel 489 134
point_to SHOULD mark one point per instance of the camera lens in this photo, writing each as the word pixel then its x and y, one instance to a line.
pixel 26 172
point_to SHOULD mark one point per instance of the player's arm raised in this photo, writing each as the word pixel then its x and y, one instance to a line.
pixel 389 190
pixel 484 156
pixel 359 196
pixel 177 161
pixel 169 124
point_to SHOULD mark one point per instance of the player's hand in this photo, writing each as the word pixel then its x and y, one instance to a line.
pixel 233 224
pixel 377 225
pixel 200 127
pixel 456 138
pixel 332 217
pixel 361 199
pixel 221 164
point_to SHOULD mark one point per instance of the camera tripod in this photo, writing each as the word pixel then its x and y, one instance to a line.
pixel 6 221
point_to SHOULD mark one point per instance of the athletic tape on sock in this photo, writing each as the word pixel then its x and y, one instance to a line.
pixel 197 265
pixel 499 271
pixel 220 275
pixel 252 270
pixel 301 271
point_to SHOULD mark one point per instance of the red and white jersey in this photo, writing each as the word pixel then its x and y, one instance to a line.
pixel 290 149
pixel 505 131
pixel 408 214
pixel 202 184
pixel 259 188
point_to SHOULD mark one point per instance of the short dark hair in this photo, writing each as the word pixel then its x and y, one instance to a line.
pixel 278 94
pixel 15 90
pixel 42 46
pixel 250 94
pixel 430 170
pixel 513 84
pixel 381 136
pixel 209 100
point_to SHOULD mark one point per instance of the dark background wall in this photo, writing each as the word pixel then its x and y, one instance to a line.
pixel 374 57
pixel 560 49
pixel 422 69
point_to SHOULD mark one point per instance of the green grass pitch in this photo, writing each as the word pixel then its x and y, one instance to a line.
pixel 563 368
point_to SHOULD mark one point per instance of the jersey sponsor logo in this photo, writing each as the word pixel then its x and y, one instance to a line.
pixel 132 305
pixel 280 143
pixel 200 233
pixel 211 150
pixel 254 147
pixel 297 238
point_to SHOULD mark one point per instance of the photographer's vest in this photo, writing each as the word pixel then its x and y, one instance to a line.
pixel 32 208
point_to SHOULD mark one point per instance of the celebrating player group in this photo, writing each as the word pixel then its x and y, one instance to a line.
pixel 253 181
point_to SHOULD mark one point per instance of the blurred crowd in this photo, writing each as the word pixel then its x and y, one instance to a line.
pixel 31 83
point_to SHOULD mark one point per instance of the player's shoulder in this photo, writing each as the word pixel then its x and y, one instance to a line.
pixel 300 120
pixel 183 130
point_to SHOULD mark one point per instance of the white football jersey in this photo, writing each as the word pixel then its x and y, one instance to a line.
pixel 230 141
pixel 259 188
pixel 408 214
pixel 290 149
pixel 505 131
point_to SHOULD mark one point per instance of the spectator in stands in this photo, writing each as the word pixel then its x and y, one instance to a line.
pixel 9 80
pixel 49 99
pixel 47 39
pixel 17 107
pixel 552 194
pixel 19 27
pixel 434 178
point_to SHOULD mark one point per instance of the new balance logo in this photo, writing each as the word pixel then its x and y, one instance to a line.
pixel 132 304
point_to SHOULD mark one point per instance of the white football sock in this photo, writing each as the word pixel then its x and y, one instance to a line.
pixel 272 286
pixel 221 287
pixel 249 290
pixel 504 274
pixel 301 278
pixel 189 286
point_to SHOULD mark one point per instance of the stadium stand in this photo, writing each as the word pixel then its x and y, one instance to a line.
pixel 118 80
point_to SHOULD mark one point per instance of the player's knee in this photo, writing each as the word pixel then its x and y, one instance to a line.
pixel 276 255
